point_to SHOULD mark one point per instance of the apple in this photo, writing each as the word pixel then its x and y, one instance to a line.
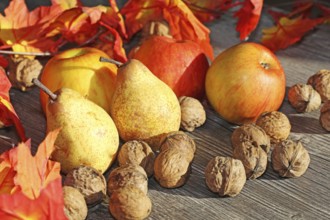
pixel 80 69
pixel 180 64
pixel 244 81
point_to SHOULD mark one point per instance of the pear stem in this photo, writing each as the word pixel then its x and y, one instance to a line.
pixel 117 63
pixel 36 82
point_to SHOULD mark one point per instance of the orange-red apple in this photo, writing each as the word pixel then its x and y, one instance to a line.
pixel 244 81
pixel 180 64
pixel 81 70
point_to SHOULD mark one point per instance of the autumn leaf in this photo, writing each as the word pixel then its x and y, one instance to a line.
pixel 8 115
pixel 182 22
pixel 23 31
pixel 287 32
pixel 48 206
pixel 209 10
pixel 31 173
pixel 248 17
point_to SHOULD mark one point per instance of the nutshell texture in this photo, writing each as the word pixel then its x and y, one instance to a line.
pixel 129 203
pixel 276 125
pixel 139 153
pixel 253 157
pixel 172 167
pixel 129 174
pixel 303 98
pixel 192 113
pixel 325 115
pixel 252 134
pixel 75 207
pixel 321 83
pixel 225 176
pixel 290 158
pixel 90 182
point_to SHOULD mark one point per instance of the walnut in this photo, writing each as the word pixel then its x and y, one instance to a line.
pixel 321 83
pixel 252 134
pixel 90 182
pixel 22 70
pixel 304 98
pixel 129 203
pixel 129 174
pixel 177 139
pixel 290 158
pixel 225 176
pixel 172 167
pixel 325 115
pixel 137 152
pixel 276 125
pixel 75 207
pixel 192 113
pixel 253 157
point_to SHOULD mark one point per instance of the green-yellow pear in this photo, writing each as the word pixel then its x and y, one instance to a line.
pixel 142 105
pixel 88 135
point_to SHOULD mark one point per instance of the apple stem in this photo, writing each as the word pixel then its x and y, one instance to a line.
pixel 36 82
pixel 104 59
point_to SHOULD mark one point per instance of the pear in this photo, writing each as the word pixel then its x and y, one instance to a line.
pixel 88 135
pixel 142 105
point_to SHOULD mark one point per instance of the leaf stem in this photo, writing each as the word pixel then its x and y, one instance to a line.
pixel 25 53
pixel 104 59
pixel 36 82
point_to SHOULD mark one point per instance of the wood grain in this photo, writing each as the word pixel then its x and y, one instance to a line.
pixel 268 197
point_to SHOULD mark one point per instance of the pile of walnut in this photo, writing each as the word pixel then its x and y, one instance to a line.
pixel 251 145
pixel 309 97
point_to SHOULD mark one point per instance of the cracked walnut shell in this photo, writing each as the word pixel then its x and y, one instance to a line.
pixel 321 83
pixel 139 153
pixel 129 174
pixel 192 113
pixel 304 98
pixel 129 203
pixel 290 158
pixel 90 182
pixel 276 125
pixel 252 134
pixel 75 207
pixel 225 176
pixel 325 115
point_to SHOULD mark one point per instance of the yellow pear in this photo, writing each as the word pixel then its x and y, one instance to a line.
pixel 88 135
pixel 142 105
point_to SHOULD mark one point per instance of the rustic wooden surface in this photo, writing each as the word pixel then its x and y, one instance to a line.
pixel 268 197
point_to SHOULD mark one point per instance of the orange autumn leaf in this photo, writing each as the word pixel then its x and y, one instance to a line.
pixel 287 32
pixel 208 10
pixel 248 17
pixel 48 206
pixel 31 173
pixel 23 31
pixel 8 115
pixel 182 22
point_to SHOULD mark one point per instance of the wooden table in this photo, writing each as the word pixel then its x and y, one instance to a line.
pixel 268 197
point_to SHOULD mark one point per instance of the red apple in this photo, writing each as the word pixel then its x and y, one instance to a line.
pixel 245 81
pixel 80 69
pixel 180 64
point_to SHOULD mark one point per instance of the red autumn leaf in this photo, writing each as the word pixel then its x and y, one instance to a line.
pixel 287 32
pixel 248 17
pixel 3 62
pixel 209 10
pixel 8 115
pixel 23 30
pixel 31 173
pixel 325 12
pixel 84 25
pixel 48 206
pixel 183 24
